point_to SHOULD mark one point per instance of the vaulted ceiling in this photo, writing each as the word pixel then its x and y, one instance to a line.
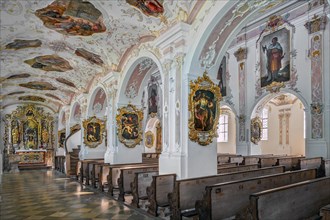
pixel 52 50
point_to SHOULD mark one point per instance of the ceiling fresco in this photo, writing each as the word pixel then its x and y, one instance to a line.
pixel 21 44
pixel 38 85
pixel 32 98
pixel 49 63
pixel 84 38
pixel 18 76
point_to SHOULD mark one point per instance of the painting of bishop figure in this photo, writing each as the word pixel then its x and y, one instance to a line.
pixel 275 57
pixel 205 110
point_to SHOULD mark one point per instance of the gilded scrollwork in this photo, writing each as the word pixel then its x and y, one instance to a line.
pixel 204 107
pixel 93 131
pixel 129 122
pixel 256 130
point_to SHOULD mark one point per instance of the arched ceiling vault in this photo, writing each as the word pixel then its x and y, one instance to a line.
pixel 51 50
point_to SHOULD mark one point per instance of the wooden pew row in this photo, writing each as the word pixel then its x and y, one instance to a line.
pixel 297 201
pixel 325 212
pixel 290 163
pixel 312 163
pixel 253 159
pixel 271 160
pixel 139 186
pixel 227 200
pixel 227 165
pixel 150 157
pixel 236 159
pixel 89 168
pixel 83 170
pixel 238 168
pixel 224 158
pixel 114 174
pixel 158 190
pixel 127 176
pixel 187 191
pixel 96 166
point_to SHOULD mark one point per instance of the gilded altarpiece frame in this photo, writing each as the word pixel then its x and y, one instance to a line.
pixel 29 127
pixel 129 123
pixel 93 131
pixel 204 107
pixel 256 130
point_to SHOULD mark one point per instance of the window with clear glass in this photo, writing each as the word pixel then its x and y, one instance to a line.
pixel 223 128
pixel 264 119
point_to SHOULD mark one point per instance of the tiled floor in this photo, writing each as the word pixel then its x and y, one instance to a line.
pixel 42 194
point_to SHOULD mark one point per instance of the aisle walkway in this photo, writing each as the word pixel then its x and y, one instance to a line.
pixel 49 195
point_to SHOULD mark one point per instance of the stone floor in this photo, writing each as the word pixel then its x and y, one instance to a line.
pixel 46 194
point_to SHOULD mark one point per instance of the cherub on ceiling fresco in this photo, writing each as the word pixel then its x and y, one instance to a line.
pixel 38 85
pixel 73 17
pixel 21 44
pixel 50 63
pixel 148 7
pixel 91 57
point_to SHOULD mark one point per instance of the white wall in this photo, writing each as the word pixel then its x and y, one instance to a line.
pixel 296 144
pixel 230 146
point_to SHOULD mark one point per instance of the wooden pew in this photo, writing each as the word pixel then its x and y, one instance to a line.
pixel 187 191
pixel 290 162
pixel 150 157
pixel 297 201
pixel 127 176
pixel 103 174
pixel 236 159
pixel 89 168
pixel 229 199
pixel 139 186
pixel 224 158
pixel 270 160
pixel 114 174
pixel 227 165
pixel 312 163
pixel 83 170
pixel 325 212
pixel 95 172
pixel 160 187
pixel 238 168
pixel 78 168
pixel 253 159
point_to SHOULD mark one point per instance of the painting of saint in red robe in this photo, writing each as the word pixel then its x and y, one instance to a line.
pixel 275 57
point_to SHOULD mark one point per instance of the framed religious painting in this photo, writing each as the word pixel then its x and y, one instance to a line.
pixel 275 53
pixel 93 131
pixel 256 130
pixel 129 123
pixel 149 139
pixel 204 108
pixel 61 138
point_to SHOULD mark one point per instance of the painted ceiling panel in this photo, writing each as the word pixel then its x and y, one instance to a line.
pixel 90 35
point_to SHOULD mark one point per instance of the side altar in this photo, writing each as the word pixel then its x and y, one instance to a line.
pixel 29 135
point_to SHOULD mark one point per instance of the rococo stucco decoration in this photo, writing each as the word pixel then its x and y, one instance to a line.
pixel 129 123
pixel 256 130
pixel 93 131
pixel 204 107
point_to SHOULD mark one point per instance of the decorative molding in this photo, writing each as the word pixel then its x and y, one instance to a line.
pixel 241 54
pixel 317 24
pixel 275 87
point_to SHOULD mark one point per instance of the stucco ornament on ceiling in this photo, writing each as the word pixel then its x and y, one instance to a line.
pixel 32 98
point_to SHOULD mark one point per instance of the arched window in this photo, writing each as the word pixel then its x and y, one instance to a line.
pixel 223 128
pixel 264 119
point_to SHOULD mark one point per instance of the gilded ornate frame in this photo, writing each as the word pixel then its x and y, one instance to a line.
pixel 256 130
pixel 93 144
pixel 147 135
pixel 129 109
pixel 203 83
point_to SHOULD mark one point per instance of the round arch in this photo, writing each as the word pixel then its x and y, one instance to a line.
pixel 91 99
pixel 127 72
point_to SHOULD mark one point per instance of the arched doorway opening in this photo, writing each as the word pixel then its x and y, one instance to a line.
pixel 282 124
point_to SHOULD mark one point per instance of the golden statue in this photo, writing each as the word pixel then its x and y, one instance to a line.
pixel 45 136
pixel 30 142
pixel 15 135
